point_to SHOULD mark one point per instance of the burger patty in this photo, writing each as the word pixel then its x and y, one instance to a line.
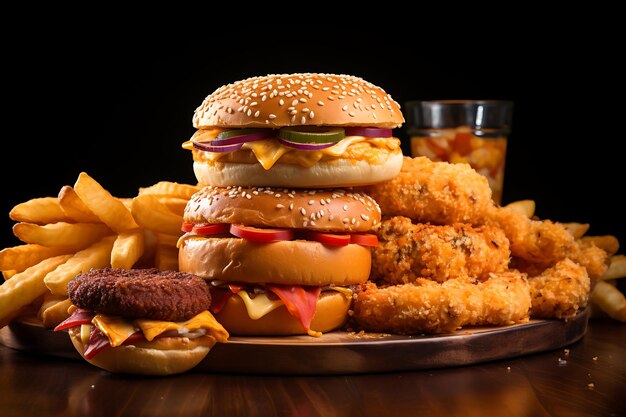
pixel 140 293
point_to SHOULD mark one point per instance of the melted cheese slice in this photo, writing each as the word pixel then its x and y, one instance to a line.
pixel 118 329
pixel 260 305
pixel 203 320
pixel 115 328
pixel 268 151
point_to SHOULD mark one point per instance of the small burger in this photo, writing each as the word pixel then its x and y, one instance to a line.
pixel 141 321
pixel 280 261
pixel 296 130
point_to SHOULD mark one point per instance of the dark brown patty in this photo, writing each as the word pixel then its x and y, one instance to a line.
pixel 140 293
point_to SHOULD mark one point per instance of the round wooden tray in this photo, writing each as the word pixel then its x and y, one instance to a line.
pixel 342 352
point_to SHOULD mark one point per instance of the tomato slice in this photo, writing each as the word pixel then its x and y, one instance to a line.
pixel 256 234
pixel 211 229
pixel 364 239
pixel 331 239
pixel 187 227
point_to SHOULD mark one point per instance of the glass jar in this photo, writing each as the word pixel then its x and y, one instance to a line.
pixel 463 131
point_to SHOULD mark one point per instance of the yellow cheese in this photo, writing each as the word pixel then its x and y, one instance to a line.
pixel 115 328
pixel 260 305
pixel 85 331
pixel 268 151
pixel 203 320
pixel 347 292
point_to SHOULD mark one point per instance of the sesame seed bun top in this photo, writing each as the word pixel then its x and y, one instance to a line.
pixel 332 210
pixel 279 100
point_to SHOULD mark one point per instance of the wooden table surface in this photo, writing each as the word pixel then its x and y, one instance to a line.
pixel 589 380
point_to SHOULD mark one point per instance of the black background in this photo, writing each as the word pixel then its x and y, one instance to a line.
pixel 116 101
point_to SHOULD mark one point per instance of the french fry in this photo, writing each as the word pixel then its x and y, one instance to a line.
pixel 153 215
pixel 74 207
pixel 607 243
pixel 25 287
pixel 526 207
pixel 127 249
pixel 171 189
pixel 70 235
pixel 174 204
pixel 128 202
pixel 610 300
pixel 109 209
pixel 8 274
pixel 166 258
pixel 617 268
pixel 39 211
pixel 97 255
pixel 53 310
pixel 577 230
pixel 21 257
pixel 167 240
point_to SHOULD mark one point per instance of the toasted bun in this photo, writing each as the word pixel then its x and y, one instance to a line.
pixel 330 314
pixel 334 173
pixel 162 356
pixel 299 99
pixel 293 262
pixel 321 210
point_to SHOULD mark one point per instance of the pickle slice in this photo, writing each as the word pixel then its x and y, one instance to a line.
pixel 312 134
pixel 227 134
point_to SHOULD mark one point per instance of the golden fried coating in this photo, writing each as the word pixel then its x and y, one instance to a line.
pixel 539 241
pixel 426 306
pixel 443 193
pixel 560 291
pixel 410 251
pixel 435 192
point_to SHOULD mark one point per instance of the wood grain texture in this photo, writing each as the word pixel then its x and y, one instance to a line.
pixel 554 383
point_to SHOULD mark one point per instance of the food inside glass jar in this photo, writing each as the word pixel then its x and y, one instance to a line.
pixel 483 150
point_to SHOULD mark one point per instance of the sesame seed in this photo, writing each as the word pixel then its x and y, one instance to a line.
pixel 281 101
pixel 313 216
pixel 305 223
pixel 272 116
pixel 293 112
pixel 352 114
pixel 345 207
pixel 331 217
pixel 312 223
pixel 353 221
pixel 320 213
pixel 291 206
pixel 293 119
pixel 279 206
pixel 303 120
pixel 302 211
pixel 331 98
pixel 365 217
pixel 303 100
pixel 277 195
pixel 257 113
pixel 345 220
pixel 293 103
pixel 319 103
pixel 344 108
pixel 249 112
pixel 254 103
pixel 249 196
pixel 305 110
pixel 322 202
pixel 311 202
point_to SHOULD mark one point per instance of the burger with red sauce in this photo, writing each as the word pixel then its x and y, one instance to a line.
pixel 280 261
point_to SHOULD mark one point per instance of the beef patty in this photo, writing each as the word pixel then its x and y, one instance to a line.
pixel 140 293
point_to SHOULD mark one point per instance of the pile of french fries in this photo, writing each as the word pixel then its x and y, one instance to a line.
pixel 606 298
pixel 86 227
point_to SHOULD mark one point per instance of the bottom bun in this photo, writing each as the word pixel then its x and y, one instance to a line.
pixel 335 173
pixel 331 313
pixel 163 356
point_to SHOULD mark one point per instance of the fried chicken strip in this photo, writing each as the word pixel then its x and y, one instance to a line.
pixel 410 251
pixel 443 193
pixel 560 291
pixel 426 306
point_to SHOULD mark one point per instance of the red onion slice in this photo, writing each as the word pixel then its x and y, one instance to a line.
pixel 210 147
pixel 307 146
pixel 370 132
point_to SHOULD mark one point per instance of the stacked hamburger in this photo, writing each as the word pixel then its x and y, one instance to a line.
pixel 277 231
